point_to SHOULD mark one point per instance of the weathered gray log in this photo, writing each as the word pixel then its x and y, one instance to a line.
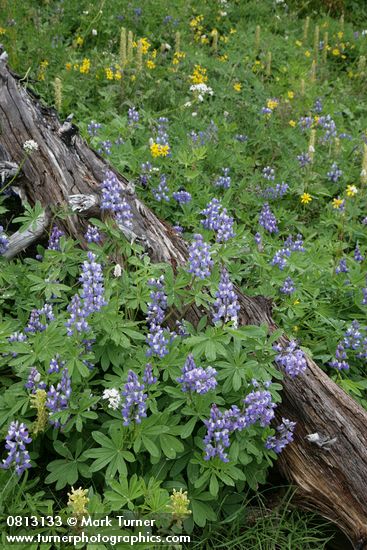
pixel 331 479
pixel 20 240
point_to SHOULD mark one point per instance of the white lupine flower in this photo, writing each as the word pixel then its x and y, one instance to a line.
pixel 117 271
pixel 114 398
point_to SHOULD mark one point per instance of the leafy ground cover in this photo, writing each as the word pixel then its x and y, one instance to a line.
pixel 244 125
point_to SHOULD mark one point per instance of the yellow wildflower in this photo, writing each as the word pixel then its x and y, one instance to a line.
pixel 292 123
pixel 295 328
pixel 272 104
pixel 199 75
pixel 196 21
pixel 145 45
pixel 2 30
pixel 150 64
pixel 177 57
pixel 237 86
pixel 298 43
pixel 224 39
pixel 305 198
pixel 351 190
pixel 68 66
pixel 79 41
pixel 158 150
pixel 340 35
pixel 109 73
pixel 337 203
pixel 307 53
pixel 290 95
pixel 335 51
pixel 118 74
pixel 232 31
pixel 85 66
pixel 223 58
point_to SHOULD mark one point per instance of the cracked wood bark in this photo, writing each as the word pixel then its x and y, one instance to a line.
pixel 334 482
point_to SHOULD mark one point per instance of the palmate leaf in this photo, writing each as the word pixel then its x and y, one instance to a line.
pixel 125 491
pixel 111 453
pixel 66 471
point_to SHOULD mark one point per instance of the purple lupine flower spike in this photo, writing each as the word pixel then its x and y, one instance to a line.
pixel 284 437
pixel 54 240
pixel 291 358
pixel 200 261
pixel 288 286
pixel 226 305
pixel 92 234
pixel 268 220
pixel 16 441
pixel 197 379
pixel 93 289
pixel 134 406
pixel 112 200
pixel 161 192
pixel 58 398
pixel 148 377
pixel 157 338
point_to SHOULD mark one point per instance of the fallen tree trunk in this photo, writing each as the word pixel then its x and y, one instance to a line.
pixel 65 172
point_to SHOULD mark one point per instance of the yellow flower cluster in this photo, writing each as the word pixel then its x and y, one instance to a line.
pixel 79 41
pixel 158 150
pixel 2 30
pixel 145 45
pixel 113 73
pixel 197 27
pixel 177 57
pixel 85 66
pixel 237 86
pixel 199 75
